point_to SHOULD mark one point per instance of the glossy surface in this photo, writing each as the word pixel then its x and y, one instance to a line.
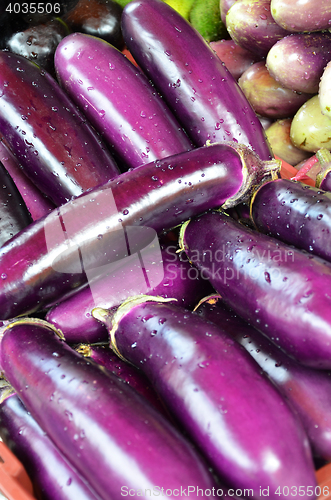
pixel 52 476
pixel 298 60
pixel 295 16
pixel 219 395
pixel 295 213
pixel 282 291
pixel 278 135
pixel 107 431
pixel 57 148
pixel 89 230
pixel 307 390
pixel 168 275
pixel 193 81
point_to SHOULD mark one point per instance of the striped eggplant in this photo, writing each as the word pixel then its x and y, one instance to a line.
pixel 169 275
pixel 217 392
pixel 306 389
pixel 118 100
pixel 295 213
pixel 119 219
pixel 197 86
pixel 53 478
pixel 283 291
pixel 111 435
pixel 53 142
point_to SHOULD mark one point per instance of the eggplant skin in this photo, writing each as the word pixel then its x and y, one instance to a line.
pixel 56 147
pixel 109 433
pixel 283 291
pixel 197 86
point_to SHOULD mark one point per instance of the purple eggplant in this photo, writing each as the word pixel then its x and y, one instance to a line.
pixel 295 213
pixel 283 291
pixel 36 202
pixel 14 215
pixel 56 147
pixel 111 435
pixel 172 276
pixel 118 100
pixel 119 219
pixel 216 390
pixel 295 16
pixel 198 88
pixel 251 25
pixel 235 58
pixel 307 390
pixel 298 60
pixel 53 478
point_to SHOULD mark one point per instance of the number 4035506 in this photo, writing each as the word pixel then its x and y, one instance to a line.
pixel 33 8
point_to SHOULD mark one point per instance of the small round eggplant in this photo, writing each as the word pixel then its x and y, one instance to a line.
pixel 295 16
pixel 297 61
pixel 278 135
pixel 236 58
pixel 324 91
pixel 267 96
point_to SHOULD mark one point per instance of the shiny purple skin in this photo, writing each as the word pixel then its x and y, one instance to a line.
pixel 298 60
pixel 14 215
pixel 198 88
pixel 295 213
pixel 295 16
pixel 179 280
pixel 110 434
pixel 307 390
pixel 283 291
pixel 151 198
pixel 52 476
pixel 57 148
pixel 118 100
pixel 217 392
pixel 251 25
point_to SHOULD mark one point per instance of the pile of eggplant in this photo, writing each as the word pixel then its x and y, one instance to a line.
pixel 165 299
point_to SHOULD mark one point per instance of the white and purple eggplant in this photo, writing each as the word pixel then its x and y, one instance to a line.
pixel 282 291
pixel 118 100
pixel 307 390
pixel 217 392
pixel 111 435
pixel 294 16
pixel 52 476
pixel 55 145
pixel 197 86
pixel 119 219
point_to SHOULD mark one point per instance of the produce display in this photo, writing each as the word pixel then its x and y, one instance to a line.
pixel 165 249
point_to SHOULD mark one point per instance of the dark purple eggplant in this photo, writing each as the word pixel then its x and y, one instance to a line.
pixel 168 275
pixel 53 478
pixel 109 433
pixel 198 88
pixel 251 25
pixel 307 390
pixel 295 213
pixel 283 291
pixel 216 391
pixel 38 42
pixel 14 215
pixel 121 218
pixel 118 100
pixel 298 60
pixel 101 18
pixel 55 145
pixel 295 16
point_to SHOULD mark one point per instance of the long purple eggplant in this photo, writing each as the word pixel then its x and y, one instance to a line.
pixel 14 215
pixel 169 275
pixel 118 100
pixel 55 145
pixel 53 478
pixel 62 252
pixel 111 435
pixel 295 213
pixel 307 390
pixel 283 291
pixel 216 390
pixel 193 81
